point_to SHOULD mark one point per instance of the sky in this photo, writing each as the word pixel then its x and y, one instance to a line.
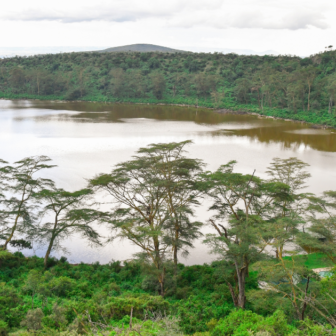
pixel 300 27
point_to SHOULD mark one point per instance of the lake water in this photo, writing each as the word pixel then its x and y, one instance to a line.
pixel 84 139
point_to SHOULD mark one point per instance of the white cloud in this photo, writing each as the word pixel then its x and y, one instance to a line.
pixel 219 14
pixel 252 15
pixel 110 11
pixel 298 27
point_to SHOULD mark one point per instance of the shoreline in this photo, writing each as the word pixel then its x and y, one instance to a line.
pixel 216 110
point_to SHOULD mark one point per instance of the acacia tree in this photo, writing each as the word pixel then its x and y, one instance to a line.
pixel 180 179
pixel 242 205
pixel 4 177
pixel 69 218
pixel 155 194
pixel 288 212
pixel 140 214
pixel 290 280
pixel 321 235
pixel 22 186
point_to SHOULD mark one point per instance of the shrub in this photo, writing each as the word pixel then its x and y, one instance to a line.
pixel 245 323
pixel 3 328
pixel 33 320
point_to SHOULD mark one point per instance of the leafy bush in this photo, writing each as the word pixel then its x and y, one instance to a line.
pixel 244 322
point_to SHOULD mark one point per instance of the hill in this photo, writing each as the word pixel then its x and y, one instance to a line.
pixel 142 48
pixel 284 86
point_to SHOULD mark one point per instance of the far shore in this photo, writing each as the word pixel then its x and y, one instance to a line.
pixel 216 110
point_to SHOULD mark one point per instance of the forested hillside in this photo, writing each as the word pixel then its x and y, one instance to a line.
pixel 284 86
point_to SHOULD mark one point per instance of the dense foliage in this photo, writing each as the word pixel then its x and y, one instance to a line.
pixel 284 86
pixel 70 296
pixel 262 283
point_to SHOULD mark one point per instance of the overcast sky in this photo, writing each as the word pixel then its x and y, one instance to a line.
pixel 300 27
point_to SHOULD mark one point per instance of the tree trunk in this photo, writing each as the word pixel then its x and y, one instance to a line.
pixel 46 257
pixel 241 276
pixel 162 280
pixel 175 246
pixel 175 260
pixel 304 306
pixel 279 252
pixel 13 230
pixel 308 107
pixel 131 317
pixel 233 294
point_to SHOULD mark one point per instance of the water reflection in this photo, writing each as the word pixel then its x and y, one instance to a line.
pixel 264 130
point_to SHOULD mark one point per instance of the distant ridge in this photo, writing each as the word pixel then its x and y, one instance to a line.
pixel 142 48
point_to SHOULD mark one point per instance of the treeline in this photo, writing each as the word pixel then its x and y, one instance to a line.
pixel 280 85
pixel 260 225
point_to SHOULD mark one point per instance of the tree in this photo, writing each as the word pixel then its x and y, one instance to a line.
pixel 243 86
pixel 140 214
pixel 17 78
pixel 58 316
pixel 245 203
pixel 205 83
pixel 290 280
pixel 309 74
pixel 158 84
pixel 136 84
pixel 179 176
pixel 321 235
pixel 33 284
pixel 217 98
pixel 33 320
pixel 82 78
pixel 289 211
pixel 331 89
pixel 118 81
pixel 69 218
pixel 4 180
pixel 22 187
pixel 176 80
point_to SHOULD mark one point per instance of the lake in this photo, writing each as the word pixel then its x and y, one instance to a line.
pixel 84 139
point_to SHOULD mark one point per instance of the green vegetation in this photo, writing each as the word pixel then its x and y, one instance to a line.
pixel 313 260
pixel 281 86
pixel 260 284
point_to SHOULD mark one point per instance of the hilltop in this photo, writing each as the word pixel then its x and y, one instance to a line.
pixel 142 48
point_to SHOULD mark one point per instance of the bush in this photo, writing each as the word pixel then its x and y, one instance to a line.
pixel 245 323
pixel 33 320
pixel 73 95
pixel 9 302
pixel 3 328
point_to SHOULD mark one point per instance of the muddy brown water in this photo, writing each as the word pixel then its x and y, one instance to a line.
pixel 84 139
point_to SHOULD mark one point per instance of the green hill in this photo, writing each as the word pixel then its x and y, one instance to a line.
pixel 283 86
pixel 142 48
